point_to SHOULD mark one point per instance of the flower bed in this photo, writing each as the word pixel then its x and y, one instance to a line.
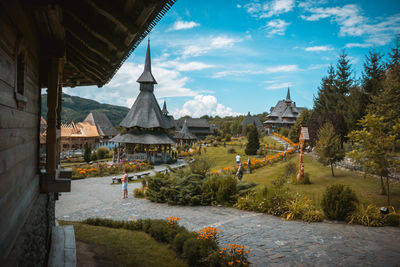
pixel 200 248
pixel 291 143
pixel 104 169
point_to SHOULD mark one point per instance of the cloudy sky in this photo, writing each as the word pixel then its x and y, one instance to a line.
pixel 220 57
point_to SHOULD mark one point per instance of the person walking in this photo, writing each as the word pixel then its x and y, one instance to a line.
pixel 238 159
pixel 239 172
pixel 124 181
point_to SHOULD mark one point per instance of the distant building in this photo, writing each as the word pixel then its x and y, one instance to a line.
pixel 76 135
pixel 199 127
pixel 184 136
pixel 284 114
pixel 169 117
pixel 104 127
pixel 248 120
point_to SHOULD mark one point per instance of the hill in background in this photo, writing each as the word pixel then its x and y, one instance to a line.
pixel 76 109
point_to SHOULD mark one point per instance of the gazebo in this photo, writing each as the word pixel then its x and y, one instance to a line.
pixel 146 136
pixel 184 136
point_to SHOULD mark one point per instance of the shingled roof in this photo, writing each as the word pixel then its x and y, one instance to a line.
pixel 184 133
pixel 146 137
pixel 145 112
pixel 252 119
pixel 103 124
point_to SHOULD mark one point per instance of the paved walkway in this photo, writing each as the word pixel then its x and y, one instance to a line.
pixel 272 242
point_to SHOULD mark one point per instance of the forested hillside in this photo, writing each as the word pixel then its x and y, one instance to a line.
pixel 76 109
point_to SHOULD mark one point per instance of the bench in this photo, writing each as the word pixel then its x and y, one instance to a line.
pixel 63 247
pixel 116 179
pixel 139 176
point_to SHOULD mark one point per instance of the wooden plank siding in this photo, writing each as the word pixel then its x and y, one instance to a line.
pixel 19 126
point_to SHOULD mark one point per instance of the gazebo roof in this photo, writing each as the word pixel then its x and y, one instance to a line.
pixel 103 124
pixel 146 137
pixel 184 133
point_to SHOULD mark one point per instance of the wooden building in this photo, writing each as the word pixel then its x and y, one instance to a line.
pixel 284 114
pixel 147 128
pixel 199 127
pixel 184 136
pixel 75 135
pixel 51 44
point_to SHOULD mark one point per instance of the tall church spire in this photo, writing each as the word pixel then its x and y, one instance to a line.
pixel 164 109
pixel 288 96
pixel 147 76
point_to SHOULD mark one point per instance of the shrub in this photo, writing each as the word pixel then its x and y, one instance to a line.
pixel 290 169
pixel 159 230
pixel 247 202
pixel 180 239
pixel 228 138
pixel 201 165
pixel 253 143
pixel 278 205
pixel 296 208
pixel 101 152
pixel 231 150
pixel 227 191
pixel 313 216
pixel 370 216
pixel 194 251
pixel 392 219
pixel 244 188
pixel 338 202
pixel 139 192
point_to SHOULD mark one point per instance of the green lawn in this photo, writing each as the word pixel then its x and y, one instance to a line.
pixel 367 189
pixel 222 158
pixel 122 247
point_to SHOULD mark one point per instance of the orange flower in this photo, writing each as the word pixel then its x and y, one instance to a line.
pixel 230 263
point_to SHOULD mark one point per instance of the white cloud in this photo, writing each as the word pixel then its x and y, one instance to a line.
pixel 379 31
pixel 185 66
pixel 318 48
pixel 206 45
pixel 269 8
pixel 276 86
pixel 317 66
pixel 276 27
pixel 282 68
pixel 204 105
pixel 238 6
pixel 123 88
pixel 184 25
pixel 362 45
pixel 272 69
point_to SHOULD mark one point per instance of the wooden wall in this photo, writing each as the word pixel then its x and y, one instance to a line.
pixel 19 126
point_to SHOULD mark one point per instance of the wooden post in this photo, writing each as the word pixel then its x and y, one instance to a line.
pixel 52 106
pixel 303 137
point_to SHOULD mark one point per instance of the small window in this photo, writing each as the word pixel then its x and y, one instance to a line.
pixel 21 73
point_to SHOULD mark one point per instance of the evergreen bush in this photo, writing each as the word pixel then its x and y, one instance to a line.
pixel 253 143
pixel 338 202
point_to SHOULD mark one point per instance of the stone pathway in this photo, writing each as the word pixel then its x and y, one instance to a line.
pixel 272 242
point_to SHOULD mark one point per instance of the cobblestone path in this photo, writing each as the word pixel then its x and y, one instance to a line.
pixel 272 242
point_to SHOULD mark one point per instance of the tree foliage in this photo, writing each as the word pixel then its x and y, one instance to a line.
pixel 328 146
pixel 373 145
pixel 253 143
pixel 87 153
pixel 302 120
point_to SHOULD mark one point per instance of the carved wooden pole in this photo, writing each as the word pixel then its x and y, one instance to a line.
pixel 300 175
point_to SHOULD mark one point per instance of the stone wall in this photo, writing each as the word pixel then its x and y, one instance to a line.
pixel 33 243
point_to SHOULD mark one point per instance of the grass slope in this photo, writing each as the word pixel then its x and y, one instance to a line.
pixel 126 248
pixel 367 189
pixel 76 109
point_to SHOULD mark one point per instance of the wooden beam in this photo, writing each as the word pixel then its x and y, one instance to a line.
pixel 86 75
pixel 75 24
pixel 86 16
pixel 76 41
pixel 112 12
pixel 83 67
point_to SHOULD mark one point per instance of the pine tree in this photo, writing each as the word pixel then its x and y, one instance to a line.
pixel 253 142
pixel 327 98
pixel 394 55
pixel 328 146
pixel 343 81
pixel 87 153
pixel 373 74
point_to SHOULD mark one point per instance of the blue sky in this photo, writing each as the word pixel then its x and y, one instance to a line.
pixel 229 57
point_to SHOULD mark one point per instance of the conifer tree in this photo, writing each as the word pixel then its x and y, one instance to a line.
pixel 373 74
pixel 87 153
pixel 253 142
pixel 327 98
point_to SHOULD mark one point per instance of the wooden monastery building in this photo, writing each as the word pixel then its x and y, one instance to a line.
pixel 197 126
pixel 248 120
pixel 284 114
pixel 184 136
pixel 146 136
pixel 51 44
